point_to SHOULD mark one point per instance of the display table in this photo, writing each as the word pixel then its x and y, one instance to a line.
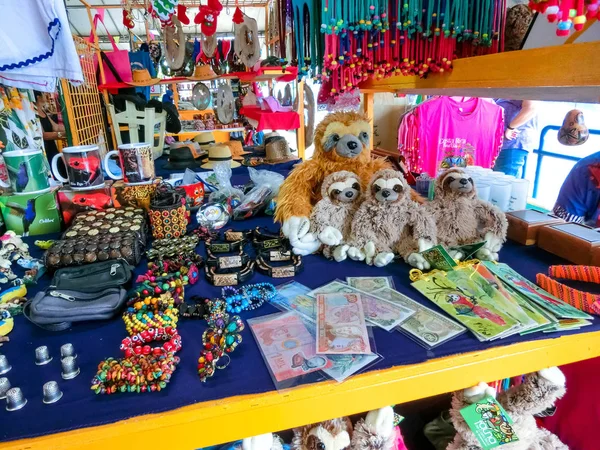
pixel 241 400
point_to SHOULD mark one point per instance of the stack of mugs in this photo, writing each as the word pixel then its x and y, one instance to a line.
pixel 29 204
pixel 505 191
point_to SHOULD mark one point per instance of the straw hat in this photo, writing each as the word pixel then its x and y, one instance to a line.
pixel 237 150
pixel 141 77
pixel 278 151
pixel 218 153
pixel 202 73
pixel 204 139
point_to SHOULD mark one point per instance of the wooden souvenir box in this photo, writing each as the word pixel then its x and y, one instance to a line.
pixel 570 241
pixel 523 226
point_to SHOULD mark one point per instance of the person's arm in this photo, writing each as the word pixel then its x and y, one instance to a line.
pixel 579 196
pixel 53 135
pixel 56 126
pixel 528 112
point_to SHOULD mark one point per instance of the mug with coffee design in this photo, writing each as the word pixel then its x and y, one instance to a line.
pixel 83 163
pixel 136 162
pixel 27 171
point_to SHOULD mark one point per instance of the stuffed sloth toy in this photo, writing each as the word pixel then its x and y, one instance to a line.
pixel 537 393
pixel 331 217
pixel 341 143
pixel 462 218
pixel 374 432
pixel 267 441
pixel 388 221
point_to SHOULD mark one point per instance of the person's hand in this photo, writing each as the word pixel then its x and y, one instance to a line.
pixel 511 134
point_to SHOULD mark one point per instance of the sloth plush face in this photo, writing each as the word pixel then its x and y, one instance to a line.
pixel 387 189
pixel 343 135
pixel 345 191
pixel 454 183
pixel 458 182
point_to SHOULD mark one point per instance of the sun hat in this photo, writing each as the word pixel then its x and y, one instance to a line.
pixel 218 153
pixel 141 77
pixel 204 139
pixel 202 73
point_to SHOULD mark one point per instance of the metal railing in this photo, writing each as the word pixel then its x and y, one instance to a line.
pixel 543 153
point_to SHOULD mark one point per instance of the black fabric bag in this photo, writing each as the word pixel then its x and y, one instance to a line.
pixel 57 310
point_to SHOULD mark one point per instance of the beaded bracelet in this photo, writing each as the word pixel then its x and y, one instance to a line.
pixel 138 373
pixel 229 278
pixel 151 312
pixel 166 248
pixel 280 271
pixel 134 345
pixel 247 297
pixel 222 337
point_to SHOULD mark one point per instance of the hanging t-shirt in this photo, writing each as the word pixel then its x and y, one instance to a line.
pixel 454 133
pixel 528 135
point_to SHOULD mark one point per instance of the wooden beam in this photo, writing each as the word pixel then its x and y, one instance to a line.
pixel 369 110
pixel 264 412
pixel 565 72
pixel 300 140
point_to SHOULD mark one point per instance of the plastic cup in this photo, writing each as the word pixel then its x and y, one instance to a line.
pixel 518 195
pixel 483 192
pixel 500 194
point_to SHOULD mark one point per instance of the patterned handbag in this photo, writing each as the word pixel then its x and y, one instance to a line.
pixel 168 214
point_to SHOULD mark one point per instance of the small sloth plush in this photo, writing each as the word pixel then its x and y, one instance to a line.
pixel 331 217
pixel 537 393
pixel 388 221
pixel 376 431
pixel 334 434
pixel 462 218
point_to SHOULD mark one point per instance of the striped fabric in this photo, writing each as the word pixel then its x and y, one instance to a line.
pixel 584 301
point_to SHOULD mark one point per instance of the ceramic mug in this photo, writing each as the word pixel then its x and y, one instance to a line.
pixel 83 163
pixel 136 162
pixel 27 171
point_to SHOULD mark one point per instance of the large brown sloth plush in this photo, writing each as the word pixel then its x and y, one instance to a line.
pixel 331 217
pixel 388 221
pixel 341 143
pixel 462 218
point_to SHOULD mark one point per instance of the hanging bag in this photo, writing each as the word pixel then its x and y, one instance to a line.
pixel 115 63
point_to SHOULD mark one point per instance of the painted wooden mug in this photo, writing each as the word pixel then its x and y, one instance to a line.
pixel 83 163
pixel 136 162
pixel 27 170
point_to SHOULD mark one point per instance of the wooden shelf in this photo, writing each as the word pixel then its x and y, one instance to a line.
pixel 564 73
pixel 187 134
pixel 261 413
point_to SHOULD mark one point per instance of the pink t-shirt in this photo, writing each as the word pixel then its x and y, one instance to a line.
pixel 453 133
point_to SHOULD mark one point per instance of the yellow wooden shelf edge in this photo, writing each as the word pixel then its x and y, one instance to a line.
pixel 228 419
pixel 566 72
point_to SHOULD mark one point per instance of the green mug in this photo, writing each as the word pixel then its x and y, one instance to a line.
pixel 27 171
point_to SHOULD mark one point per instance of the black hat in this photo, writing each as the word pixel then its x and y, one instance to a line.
pixel 181 158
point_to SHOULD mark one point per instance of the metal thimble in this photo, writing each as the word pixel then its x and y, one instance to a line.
pixel 4 365
pixel 52 392
pixel 4 387
pixel 15 399
pixel 67 350
pixel 42 356
pixel 69 368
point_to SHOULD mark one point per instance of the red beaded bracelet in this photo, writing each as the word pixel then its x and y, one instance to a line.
pixel 134 345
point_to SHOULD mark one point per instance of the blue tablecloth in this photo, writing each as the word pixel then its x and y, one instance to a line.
pixel 247 373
